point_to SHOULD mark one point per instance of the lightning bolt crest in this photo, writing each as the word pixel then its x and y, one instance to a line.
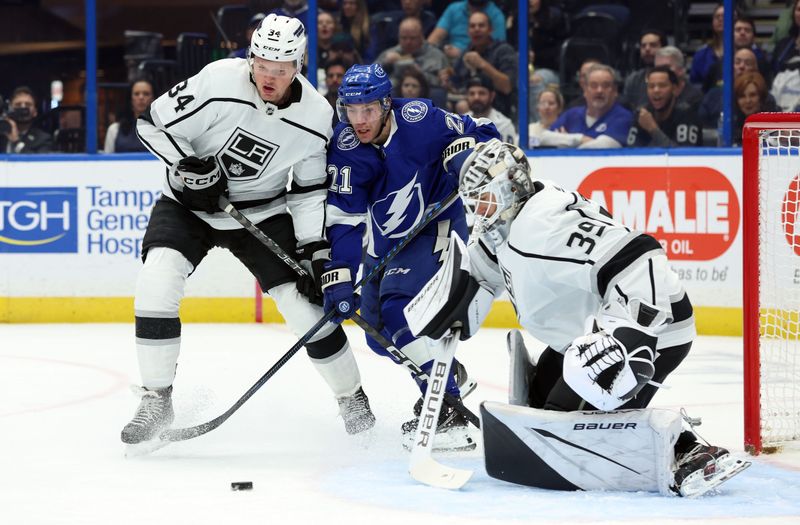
pixel 397 210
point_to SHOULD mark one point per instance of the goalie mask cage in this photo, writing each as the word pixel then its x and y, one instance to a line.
pixel 771 269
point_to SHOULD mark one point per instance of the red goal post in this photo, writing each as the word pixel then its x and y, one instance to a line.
pixel 771 288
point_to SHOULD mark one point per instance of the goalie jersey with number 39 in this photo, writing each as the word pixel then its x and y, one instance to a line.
pixel 565 258
pixel 256 144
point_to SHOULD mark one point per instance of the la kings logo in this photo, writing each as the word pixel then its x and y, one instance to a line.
pixel 245 156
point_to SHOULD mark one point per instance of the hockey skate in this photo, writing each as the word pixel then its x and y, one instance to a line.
pixel 452 432
pixel 154 414
pixel 704 467
pixel 356 413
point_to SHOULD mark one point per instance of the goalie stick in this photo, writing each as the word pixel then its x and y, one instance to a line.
pixel 181 434
pixel 423 467
pixel 399 357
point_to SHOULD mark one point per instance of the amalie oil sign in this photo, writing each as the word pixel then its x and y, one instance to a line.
pixel 692 211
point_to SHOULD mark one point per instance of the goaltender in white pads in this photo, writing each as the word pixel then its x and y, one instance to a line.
pixel 563 259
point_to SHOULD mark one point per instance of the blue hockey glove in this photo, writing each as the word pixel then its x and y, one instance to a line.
pixel 337 289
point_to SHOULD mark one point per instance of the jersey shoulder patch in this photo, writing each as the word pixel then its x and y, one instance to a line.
pixel 346 139
pixel 414 111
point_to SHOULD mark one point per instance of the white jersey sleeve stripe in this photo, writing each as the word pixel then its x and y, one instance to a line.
pixel 206 103
pixel 336 216
pixel 550 257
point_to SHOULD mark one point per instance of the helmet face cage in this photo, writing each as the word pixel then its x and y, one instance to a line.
pixel 279 39
pixel 363 84
pixel 496 185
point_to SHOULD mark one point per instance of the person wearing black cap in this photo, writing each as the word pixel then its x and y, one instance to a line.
pixel 480 97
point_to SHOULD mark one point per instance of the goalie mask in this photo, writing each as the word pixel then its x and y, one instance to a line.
pixel 495 185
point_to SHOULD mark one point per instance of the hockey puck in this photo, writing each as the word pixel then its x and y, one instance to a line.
pixel 242 485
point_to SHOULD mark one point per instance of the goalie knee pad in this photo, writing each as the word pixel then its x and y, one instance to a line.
pixel 161 283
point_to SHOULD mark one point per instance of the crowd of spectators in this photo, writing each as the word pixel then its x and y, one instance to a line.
pixel 645 90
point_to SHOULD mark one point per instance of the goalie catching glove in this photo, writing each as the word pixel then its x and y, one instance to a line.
pixel 609 367
pixel 203 183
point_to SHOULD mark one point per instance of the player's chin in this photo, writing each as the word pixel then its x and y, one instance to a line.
pixel 365 136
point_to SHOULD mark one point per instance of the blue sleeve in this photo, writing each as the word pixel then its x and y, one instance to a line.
pixel 348 199
pixel 619 125
pixel 498 22
pixel 461 146
pixel 446 20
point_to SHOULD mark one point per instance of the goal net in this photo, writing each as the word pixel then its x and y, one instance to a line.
pixel 771 229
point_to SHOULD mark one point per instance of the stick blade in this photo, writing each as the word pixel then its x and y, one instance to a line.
pixel 428 471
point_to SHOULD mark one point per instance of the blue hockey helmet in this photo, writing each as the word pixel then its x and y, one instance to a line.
pixel 362 84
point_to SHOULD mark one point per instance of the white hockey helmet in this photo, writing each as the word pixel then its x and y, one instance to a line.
pixel 279 38
pixel 494 183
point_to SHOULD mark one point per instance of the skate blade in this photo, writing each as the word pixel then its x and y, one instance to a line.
pixel 696 484
pixel 135 450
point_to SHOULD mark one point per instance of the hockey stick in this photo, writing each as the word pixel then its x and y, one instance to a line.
pixel 399 356
pixel 181 434
pixel 423 467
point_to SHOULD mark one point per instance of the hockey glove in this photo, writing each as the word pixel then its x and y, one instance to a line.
pixel 312 257
pixel 337 288
pixel 203 184
pixel 609 369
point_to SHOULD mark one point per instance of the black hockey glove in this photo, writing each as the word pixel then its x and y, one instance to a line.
pixel 312 257
pixel 203 184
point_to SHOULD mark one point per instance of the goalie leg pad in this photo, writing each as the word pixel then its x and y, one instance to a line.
pixel 629 450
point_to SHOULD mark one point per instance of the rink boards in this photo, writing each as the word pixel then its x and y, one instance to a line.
pixel 71 229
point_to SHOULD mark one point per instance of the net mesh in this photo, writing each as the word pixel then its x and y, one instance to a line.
pixel 779 285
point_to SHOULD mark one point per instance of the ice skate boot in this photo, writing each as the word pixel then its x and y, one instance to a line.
pixel 704 467
pixel 154 414
pixel 452 432
pixel 356 413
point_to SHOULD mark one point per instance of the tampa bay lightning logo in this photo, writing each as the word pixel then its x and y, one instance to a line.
pixel 347 139
pixel 414 111
pixel 396 214
pixel 379 72
pixel 602 127
pixel 343 307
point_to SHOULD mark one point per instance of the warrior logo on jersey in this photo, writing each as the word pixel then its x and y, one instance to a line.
pixel 397 213
pixel 414 111
pixel 245 156
pixel 347 139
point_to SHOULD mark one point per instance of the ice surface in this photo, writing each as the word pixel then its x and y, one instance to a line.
pixel 65 397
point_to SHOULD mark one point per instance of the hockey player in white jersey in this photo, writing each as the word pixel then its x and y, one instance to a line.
pixel 238 128
pixel 614 315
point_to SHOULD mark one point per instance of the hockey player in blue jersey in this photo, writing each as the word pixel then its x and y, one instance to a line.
pixel 388 161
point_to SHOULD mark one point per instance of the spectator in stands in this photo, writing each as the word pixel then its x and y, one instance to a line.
pixel 783 24
pixel 386 25
pixel 581 79
pixel 547 29
pixel 663 122
pixel 121 135
pixel 549 106
pixel 354 19
pixel 480 99
pixel 750 91
pixel 789 46
pixel 601 123
pixel 487 56
pixel 785 90
pixel 334 73
pixel 343 48
pixel 17 132
pixel 744 36
pixel 412 85
pixel 413 51
pixel 744 61
pixel 327 27
pixel 651 41
pixel 294 8
pixel 255 20
pixel 688 93
pixel 707 56
pixel 451 33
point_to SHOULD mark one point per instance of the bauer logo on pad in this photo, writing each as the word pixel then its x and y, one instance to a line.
pixel 38 220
